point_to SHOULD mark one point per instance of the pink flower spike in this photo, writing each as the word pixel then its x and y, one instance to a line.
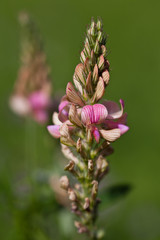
pixel 93 114
pixel 96 135
pixel 114 111
pixel 123 128
pixel 54 130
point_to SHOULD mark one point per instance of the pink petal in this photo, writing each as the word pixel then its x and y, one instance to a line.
pixel 62 105
pixel 54 130
pixel 87 115
pixel 63 115
pixel 114 111
pixel 100 113
pixel 38 100
pixel 96 135
pixel 123 128
pixel 93 114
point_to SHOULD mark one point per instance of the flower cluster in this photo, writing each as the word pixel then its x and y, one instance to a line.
pixel 87 128
pixel 32 92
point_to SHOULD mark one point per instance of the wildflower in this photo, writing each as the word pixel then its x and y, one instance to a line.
pixel 87 128
pixel 99 114
pixel 32 92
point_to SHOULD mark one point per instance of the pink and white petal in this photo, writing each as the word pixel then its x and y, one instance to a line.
pixel 111 135
pixel 54 130
pixel 123 128
pixel 87 115
pixel 100 113
pixel 55 119
pixel 96 135
pixel 114 111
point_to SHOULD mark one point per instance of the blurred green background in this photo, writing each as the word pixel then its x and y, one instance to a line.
pixel 133 27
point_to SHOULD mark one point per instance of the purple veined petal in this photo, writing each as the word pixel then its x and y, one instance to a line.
pixel 114 111
pixel 64 114
pixel 39 100
pixel 100 113
pixel 96 113
pixel 110 135
pixel 96 135
pixel 123 128
pixel 87 115
pixel 54 130
pixel 62 105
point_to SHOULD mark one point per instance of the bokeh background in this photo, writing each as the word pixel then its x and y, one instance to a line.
pixel 133 27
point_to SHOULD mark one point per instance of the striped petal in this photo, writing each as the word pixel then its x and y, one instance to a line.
pixel 99 90
pixel 114 111
pixel 95 74
pixel 79 72
pixel 93 114
pixel 73 95
pixel 106 76
pixel 77 84
pixel 73 116
pixel 111 135
pixel 89 84
pixel 87 115
pixel 54 130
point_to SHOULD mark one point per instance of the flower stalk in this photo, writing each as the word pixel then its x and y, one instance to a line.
pixel 87 129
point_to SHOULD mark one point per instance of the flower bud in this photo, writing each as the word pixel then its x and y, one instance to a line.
pixel 92 27
pixel 101 62
pixel 90 165
pixel 81 228
pixel 82 57
pixel 96 47
pixel 74 206
pixel 71 195
pixel 104 50
pixel 64 182
pixel 70 166
pixel 86 204
pixel 100 36
pixel 99 25
pixel 94 189
pixel 79 145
